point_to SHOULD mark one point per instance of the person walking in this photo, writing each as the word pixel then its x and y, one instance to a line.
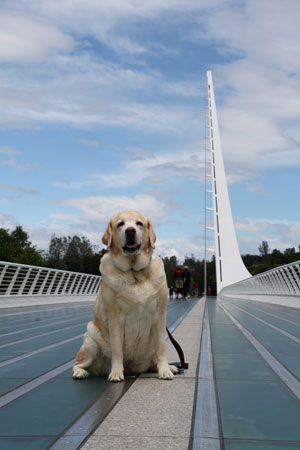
pixel 186 281
pixel 178 277
pixel 196 289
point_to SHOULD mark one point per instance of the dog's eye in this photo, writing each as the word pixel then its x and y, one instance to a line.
pixel 140 223
pixel 120 224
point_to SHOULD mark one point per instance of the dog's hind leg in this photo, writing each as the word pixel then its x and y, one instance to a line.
pixel 85 357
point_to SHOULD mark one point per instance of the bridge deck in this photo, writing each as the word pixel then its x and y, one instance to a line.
pixel 39 398
pixel 244 395
pixel 256 357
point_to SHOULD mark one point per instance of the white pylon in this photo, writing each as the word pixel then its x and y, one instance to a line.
pixel 229 264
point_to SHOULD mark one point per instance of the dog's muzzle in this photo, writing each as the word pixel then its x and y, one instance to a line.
pixel 132 246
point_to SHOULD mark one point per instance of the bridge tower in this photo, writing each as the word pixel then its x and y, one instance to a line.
pixel 229 264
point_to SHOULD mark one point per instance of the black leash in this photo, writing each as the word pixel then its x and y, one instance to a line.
pixel 182 365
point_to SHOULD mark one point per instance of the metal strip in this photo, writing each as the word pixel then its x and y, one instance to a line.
pixel 292 382
pixel 285 333
pixel 87 315
pixel 63 306
pixel 25 388
pixel 274 315
pixel 206 423
pixel 93 417
pixel 42 334
pixel 39 350
pixel 179 320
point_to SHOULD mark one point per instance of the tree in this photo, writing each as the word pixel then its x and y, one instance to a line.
pixel 16 247
pixel 75 254
pixel 56 252
pixel 78 252
pixel 170 263
pixel 264 248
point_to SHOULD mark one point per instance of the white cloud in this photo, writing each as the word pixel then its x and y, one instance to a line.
pixel 18 189
pixel 13 162
pixel 8 151
pixel 89 143
pixel 24 38
pixel 280 234
pixel 145 166
pixel 261 84
pixel 180 247
pixel 256 188
pixel 101 209
pixel 7 222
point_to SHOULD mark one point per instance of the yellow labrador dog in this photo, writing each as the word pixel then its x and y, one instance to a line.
pixel 127 334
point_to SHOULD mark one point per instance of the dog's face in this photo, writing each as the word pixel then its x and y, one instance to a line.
pixel 129 232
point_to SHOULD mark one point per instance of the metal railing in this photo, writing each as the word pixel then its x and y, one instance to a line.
pixel 283 280
pixel 21 279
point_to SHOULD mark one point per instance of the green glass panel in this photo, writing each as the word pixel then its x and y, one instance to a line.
pixel 25 443
pixel 260 445
pixel 258 410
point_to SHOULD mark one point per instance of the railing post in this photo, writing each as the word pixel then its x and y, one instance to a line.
pixel 35 281
pixel 51 283
pixel 297 279
pixel 91 279
pixel 13 280
pixel 3 273
pixel 66 283
pixel 56 292
pixel 292 281
pixel 73 283
pixel 78 288
pixel 24 281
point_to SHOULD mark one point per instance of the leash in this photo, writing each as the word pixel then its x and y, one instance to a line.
pixel 182 365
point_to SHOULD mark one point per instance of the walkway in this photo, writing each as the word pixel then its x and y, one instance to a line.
pixel 241 391
pixel 40 401
pixel 256 357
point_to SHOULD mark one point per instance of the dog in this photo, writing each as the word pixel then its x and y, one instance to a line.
pixel 127 335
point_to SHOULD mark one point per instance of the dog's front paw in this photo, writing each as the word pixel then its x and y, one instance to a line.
pixel 116 375
pixel 174 369
pixel 79 373
pixel 165 372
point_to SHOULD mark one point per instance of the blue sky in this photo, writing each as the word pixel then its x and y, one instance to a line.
pixel 102 109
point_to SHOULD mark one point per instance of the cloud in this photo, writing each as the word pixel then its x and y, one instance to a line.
pixel 147 167
pixel 100 209
pixel 256 188
pixel 13 162
pixel 89 143
pixel 261 84
pixel 25 38
pixel 280 234
pixel 92 215
pixel 8 151
pixel 19 190
pixel 7 222
pixel 180 247
pixel 73 85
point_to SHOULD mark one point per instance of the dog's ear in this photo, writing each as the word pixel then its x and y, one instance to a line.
pixel 152 236
pixel 107 236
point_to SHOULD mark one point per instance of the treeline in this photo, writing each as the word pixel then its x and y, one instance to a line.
pixel 66 253
pixel 77 254
pixel 268 259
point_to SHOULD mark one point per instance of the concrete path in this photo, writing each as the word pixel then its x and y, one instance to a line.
pixel 156 414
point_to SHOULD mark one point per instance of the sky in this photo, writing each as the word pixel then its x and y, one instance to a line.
pixel 102 109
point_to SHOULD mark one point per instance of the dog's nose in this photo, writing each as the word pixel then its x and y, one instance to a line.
pixel 130 230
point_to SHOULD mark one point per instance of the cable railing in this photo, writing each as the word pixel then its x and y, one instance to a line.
pixel 22 279
pixel 283 280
